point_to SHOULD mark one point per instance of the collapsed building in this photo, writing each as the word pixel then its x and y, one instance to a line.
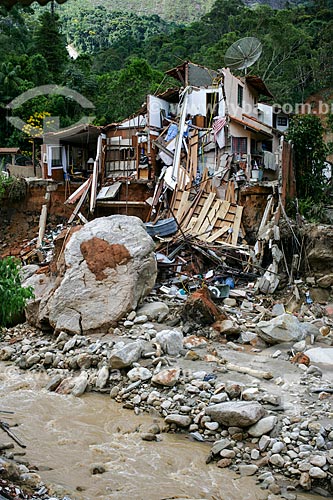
pixel 204 164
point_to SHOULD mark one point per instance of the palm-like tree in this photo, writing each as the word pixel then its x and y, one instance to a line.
pixel 9 79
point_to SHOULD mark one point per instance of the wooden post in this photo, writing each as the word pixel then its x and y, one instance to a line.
pixel 42 225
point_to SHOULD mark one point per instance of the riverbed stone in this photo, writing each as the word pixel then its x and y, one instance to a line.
pixel 179 420
pixel 264 426
pixel 320 355
pixel 276 460
pixel 168 377
pixel 247 469
pixel 283 328
pixel 139 373
pixel 154 311
pixel 236 413
pixel 80 384
pixel 317 473
pixel 102 377
pixel 6 353
pixel 318 460
pixel 171 341
pixel 125 355
pixel 220 445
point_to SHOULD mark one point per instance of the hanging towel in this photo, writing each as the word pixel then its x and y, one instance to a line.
pixel 218 128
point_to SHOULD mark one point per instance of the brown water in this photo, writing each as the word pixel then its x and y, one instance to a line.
pixel 68 434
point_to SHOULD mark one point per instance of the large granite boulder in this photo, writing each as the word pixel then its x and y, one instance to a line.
pixel 109 267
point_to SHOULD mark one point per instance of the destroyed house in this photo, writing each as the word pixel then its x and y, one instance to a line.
pixel 211 126
pixel 70 152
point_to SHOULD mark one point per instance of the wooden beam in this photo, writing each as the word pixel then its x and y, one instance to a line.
pixel 204 212
pixel 236 225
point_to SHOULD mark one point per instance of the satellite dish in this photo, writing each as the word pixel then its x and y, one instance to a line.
pixel 243 53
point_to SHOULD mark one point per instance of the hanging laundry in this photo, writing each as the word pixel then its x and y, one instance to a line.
pixel 219 123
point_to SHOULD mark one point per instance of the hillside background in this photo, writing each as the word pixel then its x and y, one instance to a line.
pixel 123 55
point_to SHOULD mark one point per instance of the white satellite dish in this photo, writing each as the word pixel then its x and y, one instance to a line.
pixel 243 53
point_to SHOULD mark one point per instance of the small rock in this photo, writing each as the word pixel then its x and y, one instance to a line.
pixel 171 341
pixel 179 420
pixel 317 473
pixel 220 445
pixel 276 460
pixel 102 377
pixel 168 377
pixel 230 302
pixel 126 355
pixel 305 481
pixel 97 469
pixel 264 442
pixel 140 319
pixel 54 382
pixel 80 384
pixel 148 436
pixel 193 341
pixel 139 373
pixel 224 462
pixel 238 413
pixel 247 470
pixel 318 460
pixel 278 309
pixel 154 311
pixel 264 426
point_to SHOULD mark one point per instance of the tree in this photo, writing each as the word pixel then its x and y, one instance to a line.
pixel 13 296
pixel 306 134
pixel 51 44
pixel 9 79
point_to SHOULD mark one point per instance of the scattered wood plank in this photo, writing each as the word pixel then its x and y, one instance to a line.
pixel 249 371
pixel 204 212
pixel 236 225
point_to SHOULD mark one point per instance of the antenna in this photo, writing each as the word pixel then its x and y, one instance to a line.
pixel 243 53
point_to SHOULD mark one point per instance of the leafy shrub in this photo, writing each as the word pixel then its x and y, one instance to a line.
pixel 13 296
pixel 13 188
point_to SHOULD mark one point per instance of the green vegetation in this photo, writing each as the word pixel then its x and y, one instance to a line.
pixel 122 54
pixel 310 153
pixel 13 296
pixel 12 188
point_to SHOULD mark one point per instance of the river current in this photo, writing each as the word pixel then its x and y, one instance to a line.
pixel 65 436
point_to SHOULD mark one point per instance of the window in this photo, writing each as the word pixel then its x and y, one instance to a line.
pixel 239 145
pixel 56 159
pixel 240 96
pixel 282 121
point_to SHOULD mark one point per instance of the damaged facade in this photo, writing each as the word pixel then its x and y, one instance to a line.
pixel 204 165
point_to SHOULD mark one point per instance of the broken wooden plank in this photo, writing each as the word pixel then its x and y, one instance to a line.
pixel 249 371
pixel 209 223
pixel 217 234
pixel 204 212
pixel 236 225
pixel 81 201
pixel 183 205
pixel 77 193
pixel 267 214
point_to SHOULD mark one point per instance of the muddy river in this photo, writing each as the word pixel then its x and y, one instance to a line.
pixel 66 435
